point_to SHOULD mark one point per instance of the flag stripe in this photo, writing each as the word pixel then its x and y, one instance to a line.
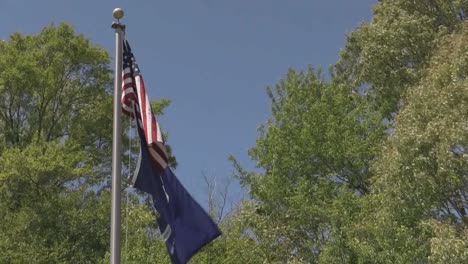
pixel 158 160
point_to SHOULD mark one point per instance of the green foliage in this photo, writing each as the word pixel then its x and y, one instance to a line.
pixel 53 86
pixel 54 131
pixel 431 135
pixel 388 54
pixel 421 174
pixel 43 220
pixel 448 245
pixel 315 151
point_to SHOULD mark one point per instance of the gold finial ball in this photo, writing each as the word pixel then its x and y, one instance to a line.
pixel 118 13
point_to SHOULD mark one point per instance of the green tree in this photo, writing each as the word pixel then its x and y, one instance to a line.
pixel 420 182
pixel 54 86
pixel 315 152
pixel 54 146
pixel 47 215
pixel 387 55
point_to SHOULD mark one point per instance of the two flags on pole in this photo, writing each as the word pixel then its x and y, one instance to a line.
pixel 184 225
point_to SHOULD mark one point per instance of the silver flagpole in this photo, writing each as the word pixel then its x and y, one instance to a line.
pixel 116 141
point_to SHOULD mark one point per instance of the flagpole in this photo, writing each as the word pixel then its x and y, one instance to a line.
pixel 116 142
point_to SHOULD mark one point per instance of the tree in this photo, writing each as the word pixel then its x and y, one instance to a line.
pixel 315 151
pixel 54 144
pixel 47 215
pixel 387 55
pixel 421 182
pixel 54 85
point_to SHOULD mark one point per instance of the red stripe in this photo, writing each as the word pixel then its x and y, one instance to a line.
pixel 128 101
pixel 128 106
pixel 141 94
pixel 128 85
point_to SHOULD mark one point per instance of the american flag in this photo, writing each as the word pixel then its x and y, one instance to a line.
pixel 136 104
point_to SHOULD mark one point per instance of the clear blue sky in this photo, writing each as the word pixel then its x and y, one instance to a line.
pixel 213 59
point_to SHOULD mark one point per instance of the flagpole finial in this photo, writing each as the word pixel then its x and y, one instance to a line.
pixel 118 13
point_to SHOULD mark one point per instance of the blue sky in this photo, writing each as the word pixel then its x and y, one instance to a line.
pixel 213 59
